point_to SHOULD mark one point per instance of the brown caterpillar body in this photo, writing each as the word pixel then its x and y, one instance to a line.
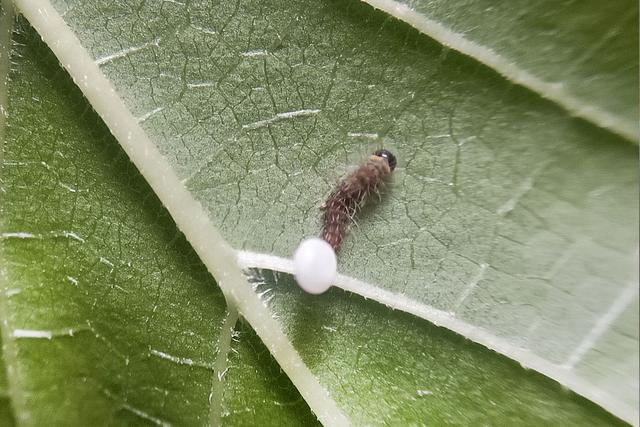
pixel 351 193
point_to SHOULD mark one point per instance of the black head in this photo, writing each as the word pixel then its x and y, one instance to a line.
pixel 390 158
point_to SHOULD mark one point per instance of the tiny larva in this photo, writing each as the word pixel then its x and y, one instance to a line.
pixel 314 260
pixel 351 193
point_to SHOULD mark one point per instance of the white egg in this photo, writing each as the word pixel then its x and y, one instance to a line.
pixel 315 265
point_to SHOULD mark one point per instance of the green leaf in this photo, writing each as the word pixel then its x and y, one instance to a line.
pixel 270 102
pixel 387 366
pixel 110 316
pixel 583 56
pixel 6 416
pixel 102 286
pixel 507 220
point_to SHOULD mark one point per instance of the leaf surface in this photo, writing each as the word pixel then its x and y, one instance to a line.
pixel 505 213
pixel 111 317
pixel 582 55
pixel 272 102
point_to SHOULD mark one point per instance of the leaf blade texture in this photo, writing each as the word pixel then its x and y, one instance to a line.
pixel 258 116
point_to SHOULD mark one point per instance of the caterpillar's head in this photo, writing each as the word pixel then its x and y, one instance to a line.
pixel 390 158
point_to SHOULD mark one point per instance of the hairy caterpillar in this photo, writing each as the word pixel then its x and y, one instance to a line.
pixel 315 261
pixel 348 197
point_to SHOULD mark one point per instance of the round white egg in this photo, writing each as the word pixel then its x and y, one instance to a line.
pixel 315 265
